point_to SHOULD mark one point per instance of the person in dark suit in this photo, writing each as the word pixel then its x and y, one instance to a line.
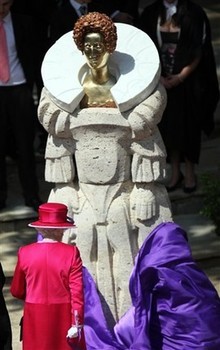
pixel 17 105
pixel 64 18
pixel 5 323
pixel 40 11
pixel 131 8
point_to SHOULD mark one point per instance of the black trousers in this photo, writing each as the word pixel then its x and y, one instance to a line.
pixel 17 115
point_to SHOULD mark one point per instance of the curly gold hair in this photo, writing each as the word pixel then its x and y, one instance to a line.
pixel 98 23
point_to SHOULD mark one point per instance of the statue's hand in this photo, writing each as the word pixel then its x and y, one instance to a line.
pixel 143 204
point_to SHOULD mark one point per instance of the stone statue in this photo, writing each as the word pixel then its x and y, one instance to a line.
pixel 104 152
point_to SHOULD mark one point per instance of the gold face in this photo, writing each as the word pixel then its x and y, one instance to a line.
pixel 95 50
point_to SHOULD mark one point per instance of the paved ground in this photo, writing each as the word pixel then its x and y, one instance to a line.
pixel 205 244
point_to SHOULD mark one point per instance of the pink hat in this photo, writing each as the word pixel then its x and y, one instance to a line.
pixel 52 215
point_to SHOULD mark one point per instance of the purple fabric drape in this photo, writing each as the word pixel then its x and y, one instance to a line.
pixel 175 306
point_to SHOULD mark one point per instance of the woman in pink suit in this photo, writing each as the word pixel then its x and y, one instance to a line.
pixel 48 277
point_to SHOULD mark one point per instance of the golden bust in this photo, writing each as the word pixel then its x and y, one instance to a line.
pixel 95 35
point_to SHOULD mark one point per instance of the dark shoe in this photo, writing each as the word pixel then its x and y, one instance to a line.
pixel 177 184
pixel 189 189
pixel 34 203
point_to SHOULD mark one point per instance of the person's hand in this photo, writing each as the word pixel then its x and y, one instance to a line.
pixel 72 332
pixel 171 81
pixel 143 204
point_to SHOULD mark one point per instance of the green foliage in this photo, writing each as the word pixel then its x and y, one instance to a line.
pixel 211 190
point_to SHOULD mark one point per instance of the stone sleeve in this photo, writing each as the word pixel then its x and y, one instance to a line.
pixel 59 167
pixel 54 120
pixel 145 116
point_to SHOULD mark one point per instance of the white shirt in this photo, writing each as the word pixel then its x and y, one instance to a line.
pixel 171 8
pixel 16 72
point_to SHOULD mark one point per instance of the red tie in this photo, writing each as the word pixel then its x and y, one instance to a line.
pixel 4 64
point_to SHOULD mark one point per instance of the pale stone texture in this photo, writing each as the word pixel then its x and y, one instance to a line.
pixel 117 197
